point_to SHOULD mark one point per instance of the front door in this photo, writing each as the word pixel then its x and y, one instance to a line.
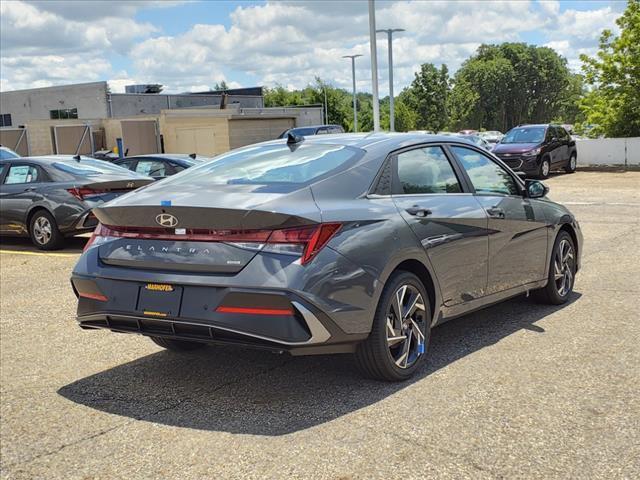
pixel 17 192
pixel 449 223
pixel 517 226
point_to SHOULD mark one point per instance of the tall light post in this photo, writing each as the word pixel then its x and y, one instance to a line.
pixel 374 65
pixel 353 77
pixel 389 33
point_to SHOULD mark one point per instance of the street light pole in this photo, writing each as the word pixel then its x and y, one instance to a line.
pixel 389 33
pixel 353 77
pixel 374 65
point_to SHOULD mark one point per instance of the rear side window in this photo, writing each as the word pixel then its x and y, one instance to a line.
pixel 21 174
pixel 153 168
pixel 426 170
pixel 271 164
pixel 485 175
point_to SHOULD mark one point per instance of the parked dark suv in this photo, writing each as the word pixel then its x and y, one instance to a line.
pixel 538 149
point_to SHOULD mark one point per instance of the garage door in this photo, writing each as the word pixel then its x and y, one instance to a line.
pixel 72 140
pixel 15 139
pixel 140 137
pixel 198 140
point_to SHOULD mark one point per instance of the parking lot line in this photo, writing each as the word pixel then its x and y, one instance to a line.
pixel 42 254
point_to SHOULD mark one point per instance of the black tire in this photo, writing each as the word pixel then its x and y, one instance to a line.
pixel 44 233
pixel 552 294
pixel 572 164
pixel 543 171
pixel 177 345
pixel 374 355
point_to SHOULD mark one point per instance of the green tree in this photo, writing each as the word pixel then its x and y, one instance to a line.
pixel 508 84
pixel 428 97
pixel 612 106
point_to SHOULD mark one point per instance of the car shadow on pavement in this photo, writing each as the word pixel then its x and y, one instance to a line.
pixel 23 244
pixel 244 391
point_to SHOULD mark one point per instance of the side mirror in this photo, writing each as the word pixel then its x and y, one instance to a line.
pixel 535 189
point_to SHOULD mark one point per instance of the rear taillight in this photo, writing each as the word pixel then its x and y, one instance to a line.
pixel 304 242
pixel 99 235
pixel 82 193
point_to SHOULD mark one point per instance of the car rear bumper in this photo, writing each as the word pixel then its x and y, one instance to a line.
pixel 273 303
pixel 273 320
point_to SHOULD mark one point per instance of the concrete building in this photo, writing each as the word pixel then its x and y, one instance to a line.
pixel 93 100
pixel 84 118
pixel 205 131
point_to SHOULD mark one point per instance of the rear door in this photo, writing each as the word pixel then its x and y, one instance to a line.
pixel 554 145
pixel 17 193
pixel 517 226
pixel 450 224
pixel 563 151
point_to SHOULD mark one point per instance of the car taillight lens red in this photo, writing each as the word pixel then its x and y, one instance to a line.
pixel 82 193
pixel 303 241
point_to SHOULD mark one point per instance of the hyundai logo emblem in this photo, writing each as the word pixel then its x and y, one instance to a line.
pixel 166 220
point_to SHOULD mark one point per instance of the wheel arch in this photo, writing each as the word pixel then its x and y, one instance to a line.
pixel 32 211
pixel 422 272
pixel 567 227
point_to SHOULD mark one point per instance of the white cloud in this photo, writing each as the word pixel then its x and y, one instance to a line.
pixel 276 42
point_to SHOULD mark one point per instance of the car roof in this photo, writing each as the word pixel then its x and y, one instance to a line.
pixel 49 159
pixel 377 141
pixel 316 126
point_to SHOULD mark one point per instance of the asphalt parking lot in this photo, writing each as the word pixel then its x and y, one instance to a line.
pixel 515 391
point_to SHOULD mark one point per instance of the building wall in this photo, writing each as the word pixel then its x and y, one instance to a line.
pixel 127 104
pixel 35 104
pixel 251 130
pixel 40 134
pixel 201 132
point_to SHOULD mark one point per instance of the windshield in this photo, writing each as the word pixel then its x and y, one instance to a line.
pixel 524 135
pixel 269 164
pixel 86 167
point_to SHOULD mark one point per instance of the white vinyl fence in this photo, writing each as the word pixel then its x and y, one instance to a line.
pixel 609 151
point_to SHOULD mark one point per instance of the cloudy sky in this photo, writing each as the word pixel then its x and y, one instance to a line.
pixel 191 45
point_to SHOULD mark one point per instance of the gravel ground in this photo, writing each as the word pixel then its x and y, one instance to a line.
pixel 515 391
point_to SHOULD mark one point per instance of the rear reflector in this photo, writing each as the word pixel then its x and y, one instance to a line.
pixel 93 296
pixel 255 311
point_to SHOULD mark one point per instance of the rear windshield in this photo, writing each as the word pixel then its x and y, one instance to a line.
pixel 524 135
pixel 89 167
pixel 270 164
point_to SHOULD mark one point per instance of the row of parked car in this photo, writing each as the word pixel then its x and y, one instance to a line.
pixel 50 197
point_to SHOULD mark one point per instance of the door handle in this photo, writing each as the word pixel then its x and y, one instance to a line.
pixel 29 189
pixel 495 212
pixel 418 211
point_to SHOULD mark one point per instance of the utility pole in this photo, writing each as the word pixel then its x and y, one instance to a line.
pixel 353 77
pixel 389 33
pixel 326 109
pixel 374 65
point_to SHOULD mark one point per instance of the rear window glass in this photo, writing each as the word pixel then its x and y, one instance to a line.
pixel 89 167
pixel 270 164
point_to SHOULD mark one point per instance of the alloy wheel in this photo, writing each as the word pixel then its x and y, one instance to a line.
pixel 563 264
pixel 545 168
pixel 406 318
pixel 572 162
pixel 42 230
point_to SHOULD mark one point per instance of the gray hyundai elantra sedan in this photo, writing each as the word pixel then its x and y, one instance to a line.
pixel 356 243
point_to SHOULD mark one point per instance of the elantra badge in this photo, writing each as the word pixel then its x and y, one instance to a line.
pixel 166 220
